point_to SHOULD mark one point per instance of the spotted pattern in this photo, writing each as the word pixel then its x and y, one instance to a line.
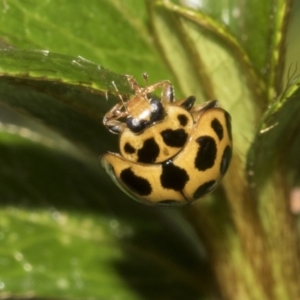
pixel 206 154
pixel 162 175
pixel 139 185
pixel 226 158
pixel 183 120
pixel 218 128
pixel 149 152
pixel 204 189
pixel 173 177
pixel 228 124
pixel 129 149
pixel 174 138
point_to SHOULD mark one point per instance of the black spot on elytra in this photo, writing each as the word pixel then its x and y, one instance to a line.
pixel 149 152
pixel 174 138
pixel 183 119
pixel 205 188
pixel 228 124
pixel 218 128
pixel 206 154
pixel 226 158
pixel 137 184
pixel 129 149
pixel 173 177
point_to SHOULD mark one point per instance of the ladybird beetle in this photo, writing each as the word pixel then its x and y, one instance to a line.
pixel 171 153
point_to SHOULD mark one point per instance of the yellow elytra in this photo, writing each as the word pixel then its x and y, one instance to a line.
pixel 171 152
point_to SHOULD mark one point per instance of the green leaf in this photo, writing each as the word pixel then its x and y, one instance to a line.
pixel 67 94
pixel 111 33
pixel 66 231
pixel 273 172
pixel 210 64
pixel 259 28
pixel 280 123
pixel 72 234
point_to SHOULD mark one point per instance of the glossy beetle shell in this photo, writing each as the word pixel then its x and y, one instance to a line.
pixel 185 177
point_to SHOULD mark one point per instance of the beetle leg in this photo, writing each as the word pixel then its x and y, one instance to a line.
pixel 134 84
pixel 114 126
pixel 187 103
pixel 110 120
pixel 198 110
pixel 167 95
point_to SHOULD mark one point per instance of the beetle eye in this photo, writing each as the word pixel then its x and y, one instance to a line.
pixel 136 125
pixel 157 111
